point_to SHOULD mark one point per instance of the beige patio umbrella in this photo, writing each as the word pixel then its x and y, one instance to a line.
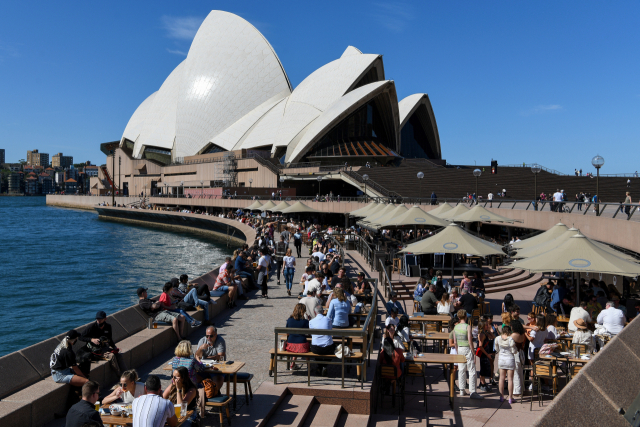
pixel 414 217
pixel 362 212
pixel 399 210
pixel 458 210
pixel 379 213
pixel 550 234
pixel 579 254
pixel 281 206
pixel 454 240
pixel 254 206
pixel 267 206
pixel 440 209
pixel 554 243
pixel 546 246
pixel 480 214
pixel 299 207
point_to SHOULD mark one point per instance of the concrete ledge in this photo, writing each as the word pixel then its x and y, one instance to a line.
pixel 117 330
pixel 15 414
pixel 16 373
pixel 45 399
pixel 131 319
pixel 138 349
pixel 38 355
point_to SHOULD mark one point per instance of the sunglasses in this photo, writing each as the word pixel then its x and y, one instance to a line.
pixel 176 378
pixel 123 385
pixel 209 336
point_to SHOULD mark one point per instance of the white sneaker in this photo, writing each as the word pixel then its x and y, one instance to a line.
pixel 461 394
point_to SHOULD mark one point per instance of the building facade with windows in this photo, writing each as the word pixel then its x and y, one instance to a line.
pixel 35 158
pixel 62 161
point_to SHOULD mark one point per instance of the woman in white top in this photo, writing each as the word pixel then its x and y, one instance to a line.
pixel 552 332
pixel 506 363
pixel 263 268
pixel 128 390
pixel 444 307
pixel 536 338
pixel 289 263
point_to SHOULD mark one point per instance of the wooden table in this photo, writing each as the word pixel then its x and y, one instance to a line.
pixel 223 369
pixel 444 359
pixel 117 420
pixel 438 318
pixel 441 337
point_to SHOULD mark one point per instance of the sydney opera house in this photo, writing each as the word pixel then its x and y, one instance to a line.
pixel 232 95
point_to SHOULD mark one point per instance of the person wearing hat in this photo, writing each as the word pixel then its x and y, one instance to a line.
pixel 98 329
pixel 64 369
pixel 583 335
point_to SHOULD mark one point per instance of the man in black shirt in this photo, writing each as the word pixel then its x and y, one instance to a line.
pixel 469 302
pixel 478 285
pixel 99 344
pixel 84 411
pixel 100 328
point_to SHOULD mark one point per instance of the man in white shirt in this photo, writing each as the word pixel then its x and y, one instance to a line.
pixel 312 284
pixel 557 198
pixel 578 313
pixel 318 254
pixel 612 319
pixel 151 410
pixel 490 197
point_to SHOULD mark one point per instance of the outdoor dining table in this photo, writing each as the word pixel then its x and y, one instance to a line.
pixel 439 319
pixel 117 420
pixel 444 359
pixel 440 337
pixel 229 371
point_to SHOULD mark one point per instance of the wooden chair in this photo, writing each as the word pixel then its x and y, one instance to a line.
pixel 416 370
pixel 388 378
pixel 542 371
pixel 475 315
pixel 575 369
pixel 245 378
pixel 220 402
pixel 416 306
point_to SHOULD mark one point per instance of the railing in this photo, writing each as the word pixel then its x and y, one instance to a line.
pixel 529 165
pixel 386 281
pixel 366 333
pixel 337 246
pixel 372 184
pixel 366 251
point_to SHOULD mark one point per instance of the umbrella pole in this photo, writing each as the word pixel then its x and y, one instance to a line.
pixel 452 273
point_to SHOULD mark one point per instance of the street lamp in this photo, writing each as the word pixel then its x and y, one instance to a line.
pixel 597 162
pixel 535 168
pixel 477 173
pixel 282 181
pixel 319 181
pixel 202 186
pixel 250 182
pixel 420 176
pixel 166 194
pixel 365 178
pixel 182 185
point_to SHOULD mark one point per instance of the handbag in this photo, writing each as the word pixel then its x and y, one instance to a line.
pixel 209 388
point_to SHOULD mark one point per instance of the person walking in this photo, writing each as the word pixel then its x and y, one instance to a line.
pixel 297 242
pixel 627 202
pixel 289 269
pixel 506 363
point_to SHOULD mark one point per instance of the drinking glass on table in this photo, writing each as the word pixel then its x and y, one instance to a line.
pixel 183 409
pixel 178 409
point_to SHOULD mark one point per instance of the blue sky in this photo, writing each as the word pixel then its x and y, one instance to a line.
pixel 549 82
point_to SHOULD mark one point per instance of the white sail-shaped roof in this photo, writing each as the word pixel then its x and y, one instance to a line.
pixel 132 131
pixel 230 70
pixel 161 130
pixel 409 105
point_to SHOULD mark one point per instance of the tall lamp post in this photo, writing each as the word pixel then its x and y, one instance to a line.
pixel 477 173
pixel 166 193
pixel 365 178
pixel 535 168
pixel 182 187
pixel 250 182
pixel 202 188
pixel 119 176
pixel 319 192
pixel 597 162
pixel 420 176
pixel 281 182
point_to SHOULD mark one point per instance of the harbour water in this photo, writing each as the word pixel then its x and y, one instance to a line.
pixel 59 266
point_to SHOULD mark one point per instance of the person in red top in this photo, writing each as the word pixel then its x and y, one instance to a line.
pixel 168 305
pixel 226 282
pixel 392 356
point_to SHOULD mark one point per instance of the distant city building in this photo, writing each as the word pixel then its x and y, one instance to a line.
pixel 71 173
pixel 2 156
pixel 70 186
pixel 35 158
pixel 91 170
pixel 16 185
pixel 31 185
pixel 58 160
pixel 59 179
pixel 47 183
pixel 13 167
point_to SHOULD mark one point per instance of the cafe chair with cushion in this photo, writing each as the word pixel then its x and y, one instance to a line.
pixel 543 371
pixel 245 378
pixel 220 402
pixel 387 379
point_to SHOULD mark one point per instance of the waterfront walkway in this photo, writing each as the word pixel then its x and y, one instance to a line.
pixel 248 332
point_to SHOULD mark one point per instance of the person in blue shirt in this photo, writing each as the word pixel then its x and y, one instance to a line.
pixel 395 303
pixel 242 270
pixel 421 286
pixel 339 309
pixel 321 344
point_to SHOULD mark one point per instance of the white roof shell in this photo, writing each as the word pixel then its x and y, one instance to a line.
pixel 410 104
pixel 232 91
